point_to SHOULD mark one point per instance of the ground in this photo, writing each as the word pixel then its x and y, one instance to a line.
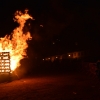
pixel 69 86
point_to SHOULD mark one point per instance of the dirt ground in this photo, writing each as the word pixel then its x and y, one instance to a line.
pixel 72 86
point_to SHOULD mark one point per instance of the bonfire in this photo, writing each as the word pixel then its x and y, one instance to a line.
pixel 13 47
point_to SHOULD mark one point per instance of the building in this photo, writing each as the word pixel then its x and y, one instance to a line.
pixel 69 55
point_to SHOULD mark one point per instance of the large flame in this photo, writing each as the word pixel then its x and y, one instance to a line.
pixel 16 43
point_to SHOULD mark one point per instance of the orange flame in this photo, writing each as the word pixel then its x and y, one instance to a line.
pixel 16 43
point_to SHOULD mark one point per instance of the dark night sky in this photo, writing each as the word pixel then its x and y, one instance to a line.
pixel 66 23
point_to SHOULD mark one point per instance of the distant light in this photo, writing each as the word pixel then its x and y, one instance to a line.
pixel 48 58
pixel 69 55
pixel 41 25
pixel 53 42
pixel 76 43
pixel 56 57
pixel 43 59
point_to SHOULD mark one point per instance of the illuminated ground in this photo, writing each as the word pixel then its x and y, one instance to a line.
pixel 58 87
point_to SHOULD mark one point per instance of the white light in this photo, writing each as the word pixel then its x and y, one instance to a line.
pixel 56 57
pixel 43 59
pixel 69 55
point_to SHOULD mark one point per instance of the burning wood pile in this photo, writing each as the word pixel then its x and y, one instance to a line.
pixel 5 62
pixel 13 47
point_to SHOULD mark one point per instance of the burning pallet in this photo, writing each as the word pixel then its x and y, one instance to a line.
pixel 5 62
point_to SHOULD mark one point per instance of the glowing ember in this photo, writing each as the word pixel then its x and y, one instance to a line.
pixel 16 43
